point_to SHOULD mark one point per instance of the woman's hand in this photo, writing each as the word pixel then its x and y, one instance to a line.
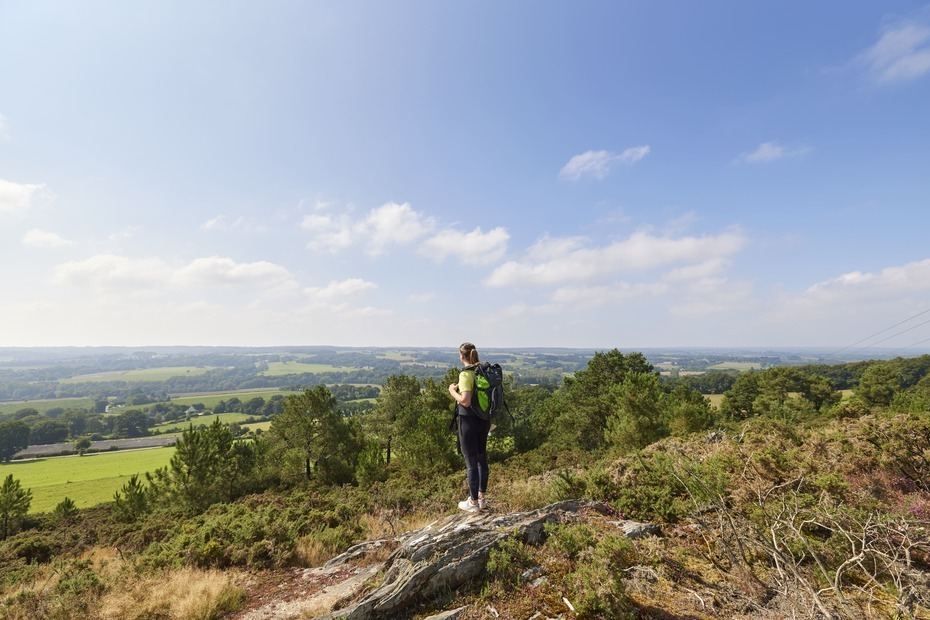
pixel 454 390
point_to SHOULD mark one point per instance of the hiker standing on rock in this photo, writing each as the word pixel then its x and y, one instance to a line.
pixel 473 431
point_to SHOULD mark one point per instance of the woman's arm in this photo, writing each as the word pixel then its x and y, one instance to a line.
pixel 463 399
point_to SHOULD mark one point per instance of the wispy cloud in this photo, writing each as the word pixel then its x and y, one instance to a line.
pixel 768 152
pixel 472 248
pixel 227 223
pixel 555 261
pixel 389 225
pixel 221 270
pixel 597 164
pixel 908 278
pixel 37 238
pixel 400 225
pixel 113 272
pixel 901 53
pixel 16 198
pixel 340 289
pixel 394 224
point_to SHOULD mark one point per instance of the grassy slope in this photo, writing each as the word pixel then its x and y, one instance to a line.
pixel 88 480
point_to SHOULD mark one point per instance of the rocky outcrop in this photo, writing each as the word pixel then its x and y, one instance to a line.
pixel 424 563
pixel 445 555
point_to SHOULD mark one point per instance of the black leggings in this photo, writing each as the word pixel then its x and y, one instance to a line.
pixel 473 438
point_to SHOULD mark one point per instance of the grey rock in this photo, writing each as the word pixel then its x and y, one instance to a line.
pixel 635 529
pixel 445 555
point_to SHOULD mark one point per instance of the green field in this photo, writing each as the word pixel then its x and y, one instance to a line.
pixel 143 374
pixel 206 420
pixel 210 400
pixel 741 366
pixel 257 426
pixel 87 480
pixel 44 405
pixel 276 369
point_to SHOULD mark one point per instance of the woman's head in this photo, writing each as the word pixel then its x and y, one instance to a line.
pixel 469 353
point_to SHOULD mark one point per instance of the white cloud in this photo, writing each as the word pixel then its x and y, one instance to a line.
pixel 699 270
pixel 391 224
pixel 768 152
pixel 121 235
pixel 473 248
pixel 130 275
pixel 343 288
pixel 111 271
pixel 329 234
pixel 597 164
pixel 16 198
pixel 394 224
pixel 901 53
pixel 550 248
pixel 714 295
pixel 4 128
pixel 606 294
pixel 640 252
pixel 226 223
pixel 219 270
pixel 421 298
pixel 37 238
pixel 891 281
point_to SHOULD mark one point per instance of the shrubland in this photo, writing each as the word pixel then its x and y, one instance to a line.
pixel 786 501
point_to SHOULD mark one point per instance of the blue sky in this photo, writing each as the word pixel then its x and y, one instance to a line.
pixel 521 173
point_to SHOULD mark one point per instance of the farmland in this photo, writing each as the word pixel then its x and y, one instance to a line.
pixel 87 480
pixel 140 375
pixel 43 405
pixel 211 400
pixel 205 420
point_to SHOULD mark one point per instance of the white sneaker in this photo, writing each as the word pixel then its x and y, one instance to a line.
pixel 482 503
pixel 467 506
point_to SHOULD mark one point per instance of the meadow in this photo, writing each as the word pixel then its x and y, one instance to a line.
pixel 44 405
pixel 211 400
pixel 88 480
pixel 162 373
pixel 206 420
pixel 276 369
pixel 740 366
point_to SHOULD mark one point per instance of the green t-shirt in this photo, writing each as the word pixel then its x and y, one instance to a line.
pixel 466 381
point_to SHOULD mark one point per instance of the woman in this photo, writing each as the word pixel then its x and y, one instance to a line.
pixel 473 431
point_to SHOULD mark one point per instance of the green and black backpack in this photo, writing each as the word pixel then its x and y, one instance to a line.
pixel 488 399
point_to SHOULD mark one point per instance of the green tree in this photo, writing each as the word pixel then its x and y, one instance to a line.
pixel 309 434
pixel 637 417
pixel 14 436
pixel 82 445
pixel 820 391
pixel 739 401
pixel 209 465
pixel 132 500
pixel 878 385
pixel 687 411
pixel 26 412
pixel 424 439
pixel 14 504
pixel 395 411
pixel 65 509
pixel 132 423
pixel 49 431
pixel 590 396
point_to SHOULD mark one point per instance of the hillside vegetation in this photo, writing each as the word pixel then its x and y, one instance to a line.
pixel 787 500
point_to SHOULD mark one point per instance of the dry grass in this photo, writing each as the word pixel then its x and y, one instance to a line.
pixel 522 494
pixel 186 594
pixel 311 551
